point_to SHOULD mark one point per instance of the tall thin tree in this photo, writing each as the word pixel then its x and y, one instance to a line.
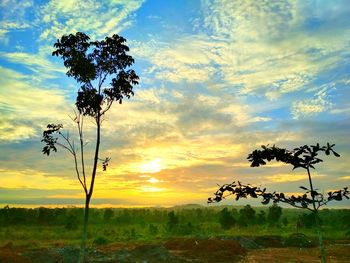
pixel 91 64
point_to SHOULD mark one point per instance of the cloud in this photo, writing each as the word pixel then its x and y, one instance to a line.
pixel 345 110
pixel 23 105
pixel 11 132
pixel 65 17
pixel 148 96
pixel 33 179
pixel 311 107
pixel 283 178
pixel 38 63
pixel 186 59
pixel 253 49
pixel 10 26
pixel 12 18
pixel 238 75
pixel 345 177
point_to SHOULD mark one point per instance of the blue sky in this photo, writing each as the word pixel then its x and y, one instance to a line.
pixel 217 80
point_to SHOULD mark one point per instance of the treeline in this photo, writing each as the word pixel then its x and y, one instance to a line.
pixel 275 217
pixel 175 220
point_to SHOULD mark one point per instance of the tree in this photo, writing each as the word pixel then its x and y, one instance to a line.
pixel 305 157
pixel 247 216
pixel 91 63
pixel 108 214
pixel 261 218
pixel 226 219
pixel 274 214
pixel 173 221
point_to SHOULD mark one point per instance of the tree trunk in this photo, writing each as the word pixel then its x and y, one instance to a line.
pixel 317 221
pixel 320 238
pixel 82 255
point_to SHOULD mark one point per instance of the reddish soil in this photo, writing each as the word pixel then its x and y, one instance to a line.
pixel 9 254
pixel 206 250
pixel 180 250
pixel 339 253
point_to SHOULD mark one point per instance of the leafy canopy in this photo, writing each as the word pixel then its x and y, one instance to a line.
pixel 302 157
pixel 89 61
pixel 93 62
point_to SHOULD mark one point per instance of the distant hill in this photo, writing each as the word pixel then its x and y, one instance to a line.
pixel 187 206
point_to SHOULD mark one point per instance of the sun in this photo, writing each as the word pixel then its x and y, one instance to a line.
pixel 154 166
pixel 153 180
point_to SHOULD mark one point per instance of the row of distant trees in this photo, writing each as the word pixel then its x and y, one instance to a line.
pixel 174 221
pixel 248 216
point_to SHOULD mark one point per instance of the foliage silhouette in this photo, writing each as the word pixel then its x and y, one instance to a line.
pixel 302 157
pixel 90 63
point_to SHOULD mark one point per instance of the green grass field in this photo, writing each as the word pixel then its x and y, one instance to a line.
pixel 42 227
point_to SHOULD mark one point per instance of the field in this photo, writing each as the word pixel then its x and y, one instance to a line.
pixel 180 234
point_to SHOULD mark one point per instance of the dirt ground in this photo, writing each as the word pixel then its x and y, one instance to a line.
pixel 182 250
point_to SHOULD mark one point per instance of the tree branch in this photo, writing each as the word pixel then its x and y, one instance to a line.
pixel 80 124
pixel 302 201
pixel 109 104
pixel 72 150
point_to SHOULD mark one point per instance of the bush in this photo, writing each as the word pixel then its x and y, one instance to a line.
pixel 100 241
pixel 226 220
pixel 247 216
pixel 274 215
pixel 71 223
pixel 298 240
pixel 153 230
pixel 173 221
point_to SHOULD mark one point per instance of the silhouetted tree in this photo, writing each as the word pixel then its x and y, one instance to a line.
pixel 173 221
pixel 247 216
pixel 91 63
pixel 261 217
pixel 226 219
pixel 274 215
pixel 307 220
pixel 304 157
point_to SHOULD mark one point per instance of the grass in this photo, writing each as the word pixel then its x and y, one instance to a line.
pixel 149 225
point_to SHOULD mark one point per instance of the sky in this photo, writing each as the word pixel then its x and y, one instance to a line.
pixel 218 79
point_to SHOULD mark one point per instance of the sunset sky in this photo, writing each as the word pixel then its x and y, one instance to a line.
pixel 217 80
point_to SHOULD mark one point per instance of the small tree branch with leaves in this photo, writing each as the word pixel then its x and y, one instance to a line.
pixel 91 62
pixel 305 157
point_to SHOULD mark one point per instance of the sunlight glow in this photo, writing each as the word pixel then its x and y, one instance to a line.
pixel 153 180
pixel 152 167
pixel 151 189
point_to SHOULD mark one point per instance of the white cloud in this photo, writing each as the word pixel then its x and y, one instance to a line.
pixel 93 17
pixel 345 110
pixel 188 58
pixel 25 107
pixel 39 62
pixel 252 47
pixel 311 107
pixel 148 96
